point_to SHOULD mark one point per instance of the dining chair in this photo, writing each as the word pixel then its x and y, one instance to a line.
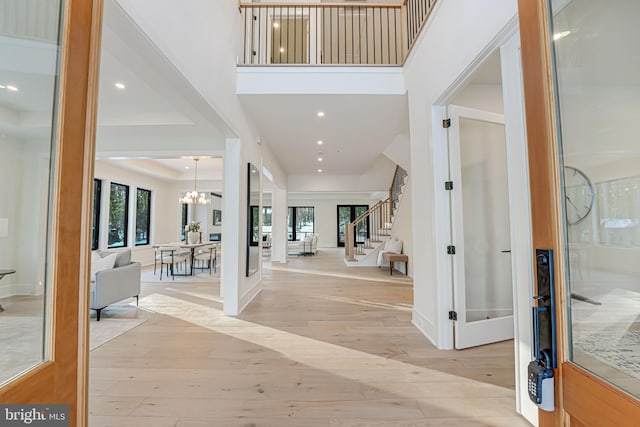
pixel 170 258
pixel 205 259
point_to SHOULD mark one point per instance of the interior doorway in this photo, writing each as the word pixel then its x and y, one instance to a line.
pixel 479 210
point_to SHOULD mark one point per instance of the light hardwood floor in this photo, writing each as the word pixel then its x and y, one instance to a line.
pixel 322 345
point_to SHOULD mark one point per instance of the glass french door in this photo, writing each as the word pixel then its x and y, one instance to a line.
pixel 482 285
pixel 597 61
pixel 48 70
pixel 347 214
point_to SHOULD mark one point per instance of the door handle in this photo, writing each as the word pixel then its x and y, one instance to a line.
pixel 508 251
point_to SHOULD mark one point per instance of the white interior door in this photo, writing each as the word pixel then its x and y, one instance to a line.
pixel 482 281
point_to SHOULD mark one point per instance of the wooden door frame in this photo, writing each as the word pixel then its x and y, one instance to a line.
pixel 63 379
pixel 581 399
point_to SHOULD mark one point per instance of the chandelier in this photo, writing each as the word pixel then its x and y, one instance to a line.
pixel 193 197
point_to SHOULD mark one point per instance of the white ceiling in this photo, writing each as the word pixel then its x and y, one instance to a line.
pixel 354 130
pixel 159 107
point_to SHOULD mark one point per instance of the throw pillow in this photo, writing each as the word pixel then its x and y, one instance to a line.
pixel 123 258
pixel 395 246
pixel 95 256
pixel 105 263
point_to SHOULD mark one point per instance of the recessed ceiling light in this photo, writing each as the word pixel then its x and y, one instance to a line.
pixel 12 88
pixel 319 170
pixel 281 49
pixel 319 159
pixel 320 113
pixel 187 167
pixel 320 142
pixel 276 25
pixel 3 87
pixel 120 85
pixel 557 36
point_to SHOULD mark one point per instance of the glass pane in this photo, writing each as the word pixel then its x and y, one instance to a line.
pixel 143 216
pixel 485 199
pixel 362 228
pixel 597 60
pixel 266 224
pixel 184 220
pixel 118 215
pixel 304 222
pixel 344 218
pixel 290 224
pixel 29 49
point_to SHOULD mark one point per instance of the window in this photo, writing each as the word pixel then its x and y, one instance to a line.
pixel 143 216
pixel 254 226
pixel 118 215
pixel 300 222
pixel 95 226
pixel 185 220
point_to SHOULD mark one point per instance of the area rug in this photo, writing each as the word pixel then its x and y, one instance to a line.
pixel 622 353
pixel 147 276
pixel 107 329
pixel 610 333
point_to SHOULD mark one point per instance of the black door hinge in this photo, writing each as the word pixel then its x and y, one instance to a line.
pixel 453 315
pixel 446 123
pixel 451 250
pixel 448 185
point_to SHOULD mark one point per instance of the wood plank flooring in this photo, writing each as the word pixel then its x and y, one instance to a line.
pixel 322 345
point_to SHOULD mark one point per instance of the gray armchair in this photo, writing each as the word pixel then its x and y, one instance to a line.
pixel 115 284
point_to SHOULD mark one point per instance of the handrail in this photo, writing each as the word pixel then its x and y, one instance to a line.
pixel 380 216
pixel 323 34
pixel 371 209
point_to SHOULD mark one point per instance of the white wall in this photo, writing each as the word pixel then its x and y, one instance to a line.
pixel 377 178
pixel 207 55
pixel 326 213
pixel 487 97
pixel 457 23
pixel 399 151
pixel 165 209
pixel 23 201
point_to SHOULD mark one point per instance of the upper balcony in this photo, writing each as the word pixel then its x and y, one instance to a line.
pixel 330 34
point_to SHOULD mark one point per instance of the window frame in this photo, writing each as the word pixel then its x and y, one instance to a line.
pixel 95 215
pixel 147 218
pixel 292 214
pixel 125 239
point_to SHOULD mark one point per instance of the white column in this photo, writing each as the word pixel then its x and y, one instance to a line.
pixel 233 229
pixel 279 225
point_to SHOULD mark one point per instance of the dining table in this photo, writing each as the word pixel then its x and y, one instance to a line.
pixel 184 245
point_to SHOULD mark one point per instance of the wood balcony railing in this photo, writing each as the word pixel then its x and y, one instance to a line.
pixel 30 19
pixel 330 34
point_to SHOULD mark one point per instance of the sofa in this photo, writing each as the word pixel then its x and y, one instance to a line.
pixel 307 246
pixel 113 278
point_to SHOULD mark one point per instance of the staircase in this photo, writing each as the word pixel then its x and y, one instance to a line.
pixel 378 220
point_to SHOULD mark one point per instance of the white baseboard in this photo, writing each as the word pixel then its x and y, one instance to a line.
pixel 11 289
pixel 425 326
pixel 246 299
